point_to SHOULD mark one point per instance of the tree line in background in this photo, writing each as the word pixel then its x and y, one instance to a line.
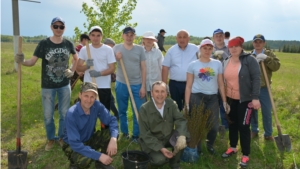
pixel 276 45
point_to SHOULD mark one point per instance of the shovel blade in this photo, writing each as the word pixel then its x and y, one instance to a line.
pixel 283 142
pixel 17 160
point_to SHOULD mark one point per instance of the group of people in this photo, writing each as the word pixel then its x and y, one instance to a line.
pixel 223 78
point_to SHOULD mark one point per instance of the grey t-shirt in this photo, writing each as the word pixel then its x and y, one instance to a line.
pixel 132 61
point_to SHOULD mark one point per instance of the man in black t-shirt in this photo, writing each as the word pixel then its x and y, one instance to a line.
pixel 55 53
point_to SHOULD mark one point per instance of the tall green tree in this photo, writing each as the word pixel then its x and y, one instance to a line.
pixel 111 15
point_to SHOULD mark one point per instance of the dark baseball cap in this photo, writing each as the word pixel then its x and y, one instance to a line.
pixel 260 37
pixel 89 87
pixel 129 29
pixel 57 19
pixel 218 31
pixel 162 30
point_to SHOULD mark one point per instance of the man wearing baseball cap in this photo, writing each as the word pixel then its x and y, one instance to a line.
pixel 154 59
pixel 55 53
pixel 103 62
pixel 220 52
pixel 81 142
pixel 161 40
pixel 272 64
pixel 133 57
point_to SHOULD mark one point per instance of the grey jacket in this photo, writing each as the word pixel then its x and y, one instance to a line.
pixel 249 77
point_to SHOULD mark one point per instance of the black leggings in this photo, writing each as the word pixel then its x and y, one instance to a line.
pixel 238 125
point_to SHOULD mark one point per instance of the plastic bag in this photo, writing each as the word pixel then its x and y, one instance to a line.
pixel 190 155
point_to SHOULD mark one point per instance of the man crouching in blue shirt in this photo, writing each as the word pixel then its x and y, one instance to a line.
pixel 81 141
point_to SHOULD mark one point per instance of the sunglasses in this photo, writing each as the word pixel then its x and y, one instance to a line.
pixel 58 26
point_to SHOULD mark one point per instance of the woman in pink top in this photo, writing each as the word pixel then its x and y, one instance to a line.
pixel 242 81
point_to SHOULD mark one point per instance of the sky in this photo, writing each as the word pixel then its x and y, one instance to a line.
pixel 275 19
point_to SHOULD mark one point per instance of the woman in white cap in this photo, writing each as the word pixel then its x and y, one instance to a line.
pixel 154 59
pixel 204 78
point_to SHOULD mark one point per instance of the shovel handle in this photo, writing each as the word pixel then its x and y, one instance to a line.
pixel 129 89
pixel 19 98
pixel 271 98
pixel 92 67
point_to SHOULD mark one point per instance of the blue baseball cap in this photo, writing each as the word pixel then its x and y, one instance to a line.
pixel 260 37
pixel 129 29
pixel 218 31
pixel 57 19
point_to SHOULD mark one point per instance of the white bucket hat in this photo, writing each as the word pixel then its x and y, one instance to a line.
pixel 149 35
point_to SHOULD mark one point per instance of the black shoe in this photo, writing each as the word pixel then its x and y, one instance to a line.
pixel 99 165
pixel 211 150
pixel 73 166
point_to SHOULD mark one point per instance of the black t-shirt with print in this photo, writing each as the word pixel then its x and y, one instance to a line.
pixel 55 59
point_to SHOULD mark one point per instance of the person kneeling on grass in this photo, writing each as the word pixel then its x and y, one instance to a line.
pixel 157 119
pixel 81 141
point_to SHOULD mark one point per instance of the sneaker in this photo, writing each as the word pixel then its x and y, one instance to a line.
pixel 254 135
pixel 49 145
pixel 61 142
pixel 135 139
pixel 99 165
pixel 244 161
pixel 269 138
pixel 229 152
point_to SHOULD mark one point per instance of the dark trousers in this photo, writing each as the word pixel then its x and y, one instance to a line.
pixel 210 103
pixel 99 140
pixel 105 97
pixel 223 114
pixel 177 90
pixel 113 107
pixel 238 127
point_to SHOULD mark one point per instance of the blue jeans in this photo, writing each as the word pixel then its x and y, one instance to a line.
pixel 48 101
pixel 266 109
pixel 122 96
pixel 223 114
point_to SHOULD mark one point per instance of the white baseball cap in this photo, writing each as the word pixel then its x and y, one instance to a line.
pixel 206 42
pixel 95 28
pixel 149 35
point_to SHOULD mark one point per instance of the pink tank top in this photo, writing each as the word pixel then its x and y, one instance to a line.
pixel 231 76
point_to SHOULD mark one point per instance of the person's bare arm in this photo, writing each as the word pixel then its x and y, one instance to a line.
pixel 165 73
pixel 74 62
pixel 110 70
pixel 31 61
pixel 80 66
pixel 143 87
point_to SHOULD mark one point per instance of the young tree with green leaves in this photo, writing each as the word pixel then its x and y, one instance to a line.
pixel 111 15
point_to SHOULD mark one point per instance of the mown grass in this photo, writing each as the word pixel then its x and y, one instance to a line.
pixel 264 155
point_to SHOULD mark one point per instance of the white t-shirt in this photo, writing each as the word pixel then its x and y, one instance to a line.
pixel 205 76
pixel 103 56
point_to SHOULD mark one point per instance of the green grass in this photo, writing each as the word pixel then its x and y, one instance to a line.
pixel 264 155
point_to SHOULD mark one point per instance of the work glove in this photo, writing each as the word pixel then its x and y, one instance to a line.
pixel 261 57
pixel 89 63
pixel 68 73
pixel 186 109
pixel 218 52
pixel 226 107
pixel 19 58
pixel 180 144
pixel 94 73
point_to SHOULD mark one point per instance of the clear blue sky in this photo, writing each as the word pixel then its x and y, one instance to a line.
pixel 276 19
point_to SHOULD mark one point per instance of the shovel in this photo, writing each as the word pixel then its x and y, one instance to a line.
pixel 18 159
pixel 92 67
pixel 129 89
pixel 283 141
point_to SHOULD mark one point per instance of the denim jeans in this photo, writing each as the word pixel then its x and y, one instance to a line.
pixel 48 101
pixel 266 108
pixel 122 96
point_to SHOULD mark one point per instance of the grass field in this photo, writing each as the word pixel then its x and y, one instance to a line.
pixel 264 155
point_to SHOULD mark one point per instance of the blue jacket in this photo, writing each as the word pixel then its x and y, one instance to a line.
pixel 79 127
pixel 249 77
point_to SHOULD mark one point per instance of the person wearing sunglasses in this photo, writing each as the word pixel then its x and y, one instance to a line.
pixel 55 53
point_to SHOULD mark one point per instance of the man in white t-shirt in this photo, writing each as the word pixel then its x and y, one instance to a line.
pixel 103 59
